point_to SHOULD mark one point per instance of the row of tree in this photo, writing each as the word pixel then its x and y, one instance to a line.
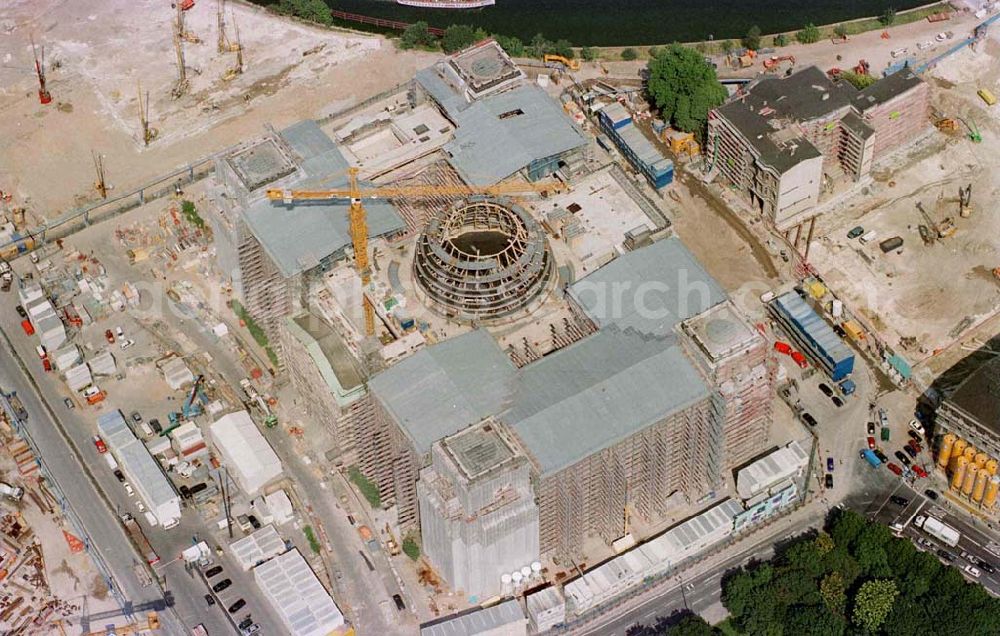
pixel 854 579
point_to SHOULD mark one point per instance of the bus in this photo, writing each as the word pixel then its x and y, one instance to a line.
pixel 986 96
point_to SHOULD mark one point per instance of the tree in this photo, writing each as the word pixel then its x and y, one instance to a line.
pixel 873 602
pixel 752 39
pixel 834 592
pixel 588 54
pixel 514 46
pixel 845 527
pixel 691 625
pixel 539 46
pixel 824 543
pixel 314 10
pixel 684 88
pixel 459 36
pixel 410 547
pixel 808 34
pixel 629 54
pixel 888 17
pixel 563 48
pixel 417 34
pixel 781 40
pixel 858 81
pixel 840 31
pixel 653 51
pixel 814 620
pixel 728 46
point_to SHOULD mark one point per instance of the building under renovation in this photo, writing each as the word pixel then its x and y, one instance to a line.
pixel 781 141
pixel 472 118
pixel 669 390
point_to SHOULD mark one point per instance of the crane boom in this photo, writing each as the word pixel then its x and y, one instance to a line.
pixel 359 224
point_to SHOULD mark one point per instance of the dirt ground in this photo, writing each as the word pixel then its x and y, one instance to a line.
pixel 932 293
pixel 101 51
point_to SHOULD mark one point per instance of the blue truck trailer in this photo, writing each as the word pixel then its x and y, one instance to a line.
pixel 871 458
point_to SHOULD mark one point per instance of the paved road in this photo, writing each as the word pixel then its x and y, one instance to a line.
pixel 107 536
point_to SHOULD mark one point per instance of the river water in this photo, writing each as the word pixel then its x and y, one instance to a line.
pixel 633 22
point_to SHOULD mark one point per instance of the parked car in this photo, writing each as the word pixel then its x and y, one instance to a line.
pixel 947 556
pixel 119 476
pixel 253 522
pixel 221 585
pixel 246 622
pixel 919 470
pixel 894 468
pixel 902 458
pixel 213 571
pixel 210 600
pixel 800 359
pixel 136 417
pixel 917 426
pixel 110 337
pixel 915 445
pixel 972 571
pixel 237 606
pixel 899 501
pixel 100 445
pixel 880 455
pixel 140 506
pixel 871 443
pixel 825 388
pixel 783 347
pixel 828 480
pixel 120 332
pixel 871 428
pixel 986 567
pixel 809 419
pixel 127 343
pixel 398 600
pixel 931 494
pixel 69 403
pixel 21 312
pixel 913 434
pixel 837 401
pixel 909 451
pixel 128 488
pixel 829 464
pixel 855 232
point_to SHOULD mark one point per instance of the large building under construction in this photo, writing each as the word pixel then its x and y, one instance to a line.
pixel 782 141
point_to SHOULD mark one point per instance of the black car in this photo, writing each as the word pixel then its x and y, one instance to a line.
pixel 986 567
pixel 398 600
pixel 880 455
pixel 253 522
pixel 899 501
pixel 136 417
pixel 246 622
pixel 155 425
pixel 119 476
pixel 837 329
pixel 947 556
pixel 237 606
pixel 932 495
pixel 213 571
pixel 909 451
pixel 210 600
pixel 69 403
pixel 837 401
pixel 915 435
pixel 809 419
pixel 827 391
pixel 21 312
pixel 903 458
pixel 221 585
pixel 828 480
pixel 871 428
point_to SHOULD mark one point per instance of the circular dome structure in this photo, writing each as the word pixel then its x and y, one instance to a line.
pixel 483 261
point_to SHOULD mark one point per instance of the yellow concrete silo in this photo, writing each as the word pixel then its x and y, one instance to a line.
pixel 970 453
pixel 981 458
pixel 979 489
pixel 991 467
pixel 956 452
pixel 991 492
pixel 970 479
pixel 958 475
pixel 944 454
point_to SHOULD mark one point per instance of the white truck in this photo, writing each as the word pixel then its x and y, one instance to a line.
pixel 11 492
pixel 943 533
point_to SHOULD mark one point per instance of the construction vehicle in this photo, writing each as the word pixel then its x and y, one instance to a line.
pixel 746 60
pixel 15 405
pixel 192 408
pixel 863 68
pixel 772 62
pixel 238 69
pixel 44 97
pixel 973 129
pixel 568 64
pixel 965 201
pixel 946 125
pixel 359 224
pixel 139 539
pixel 934 231
pixel 151 623
pixel 987 96
pixel 682 142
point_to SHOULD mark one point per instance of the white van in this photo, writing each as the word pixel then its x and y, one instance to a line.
pixel 898 52
pixel 110 459
pixel 869 237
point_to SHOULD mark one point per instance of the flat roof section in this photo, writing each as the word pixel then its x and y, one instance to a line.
pixel 979 396
pixel 721 331
pixel 260 164
pixel 257 547
pixel 446 387
pixel 477 449
pixel 297 596
pixel 499 619
pixel 331 349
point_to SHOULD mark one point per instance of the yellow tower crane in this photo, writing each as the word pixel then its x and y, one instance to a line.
pixel 359 224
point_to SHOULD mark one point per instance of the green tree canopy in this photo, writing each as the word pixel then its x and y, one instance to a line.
pixel 629 54
pixel 684 88
pixel 314 10
pixel 873 602
pixel 857 80
pixel 691 625
pixel 459 36
pixel 752 39
pixel 514 46
pixel 781 40
pixel 562 47
pixel 808 34
pixel 840 30
pixel 834 593
pixel 417 34
pixel 588 53
pixel 888 16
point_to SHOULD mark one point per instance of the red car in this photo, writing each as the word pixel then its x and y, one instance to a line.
pixel 109 336
pixel 894 468
pixel 914 445
pixel 100 445
pixel 871 443
pixel 782 347
pixel 919 471
pixel 799 359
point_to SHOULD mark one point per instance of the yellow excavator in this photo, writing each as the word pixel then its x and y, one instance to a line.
pixel 571 65
pixel 357 216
